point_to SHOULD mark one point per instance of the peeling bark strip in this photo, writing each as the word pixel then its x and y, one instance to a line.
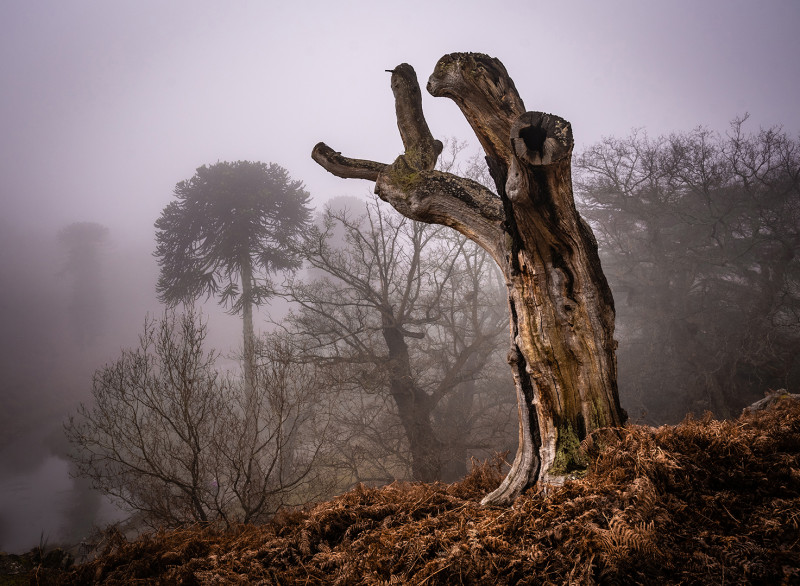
pixel 562 313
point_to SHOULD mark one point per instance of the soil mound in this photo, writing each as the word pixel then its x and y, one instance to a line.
pixel 705 501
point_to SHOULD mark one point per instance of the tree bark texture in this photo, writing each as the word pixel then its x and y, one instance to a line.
pixel 562 352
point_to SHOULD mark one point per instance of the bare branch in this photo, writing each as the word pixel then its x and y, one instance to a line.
pixel 421 149
pixel 344 167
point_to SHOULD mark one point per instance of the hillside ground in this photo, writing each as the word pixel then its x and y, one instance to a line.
pixel 703 502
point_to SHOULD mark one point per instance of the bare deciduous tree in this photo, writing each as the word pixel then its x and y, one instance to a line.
pixel 464 344
pixel 170 438
pixel 700 237
pixel 403 310
pixel 562 312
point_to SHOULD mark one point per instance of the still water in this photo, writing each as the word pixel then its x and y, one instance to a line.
pixel 42 504
pixel 33 505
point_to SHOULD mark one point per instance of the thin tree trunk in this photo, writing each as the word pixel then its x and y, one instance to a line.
pixel 252 473
pixel 248 332
pixel 562 352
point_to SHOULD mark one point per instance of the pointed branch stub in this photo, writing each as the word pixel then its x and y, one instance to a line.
pixel 420 147
pixel 345 167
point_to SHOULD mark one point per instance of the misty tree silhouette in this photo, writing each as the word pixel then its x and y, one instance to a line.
pixel 83 242
pixel 232 226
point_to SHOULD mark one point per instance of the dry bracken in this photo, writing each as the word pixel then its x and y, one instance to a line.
pixel 702 502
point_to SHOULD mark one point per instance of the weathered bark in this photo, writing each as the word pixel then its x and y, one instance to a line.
pixel 562 314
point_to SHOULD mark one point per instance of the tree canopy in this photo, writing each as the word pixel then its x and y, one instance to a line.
pixel 231 223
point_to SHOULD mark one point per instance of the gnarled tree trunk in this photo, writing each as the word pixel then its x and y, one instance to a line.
pixel 562 313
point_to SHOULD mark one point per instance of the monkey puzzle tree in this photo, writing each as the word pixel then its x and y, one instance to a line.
pixel 232 226
pixel 561 309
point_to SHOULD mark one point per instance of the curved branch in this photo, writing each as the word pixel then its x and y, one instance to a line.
pixel 435 197
pixel 345 167
pixel 487 96
pixel 412 187
pixel 420 147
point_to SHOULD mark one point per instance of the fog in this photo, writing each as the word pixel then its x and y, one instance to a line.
pixel 106 106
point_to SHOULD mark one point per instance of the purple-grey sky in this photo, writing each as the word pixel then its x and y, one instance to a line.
pixel 106 105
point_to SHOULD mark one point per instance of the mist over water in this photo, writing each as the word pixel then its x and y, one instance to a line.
pixel 47 359
pixel 32 502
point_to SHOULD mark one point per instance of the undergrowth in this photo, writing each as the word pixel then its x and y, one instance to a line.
pixel 703 502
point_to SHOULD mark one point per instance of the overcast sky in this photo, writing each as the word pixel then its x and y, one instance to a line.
pixel 105 105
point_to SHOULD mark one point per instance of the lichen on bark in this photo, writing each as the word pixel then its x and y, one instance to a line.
pixel 570 459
